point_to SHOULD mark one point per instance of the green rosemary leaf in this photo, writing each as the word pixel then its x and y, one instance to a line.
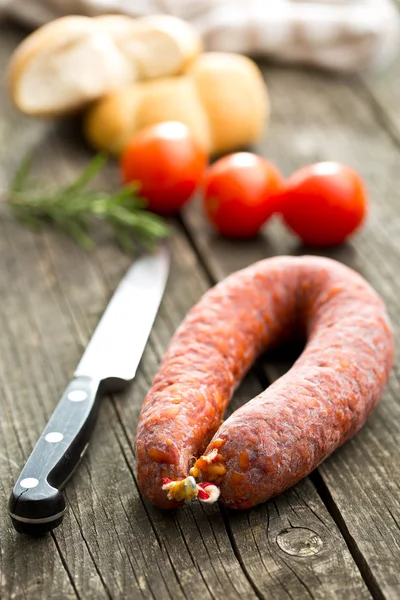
pixel 78 234
pixel 72 207
pixel 31 221
pixel 88 174
pixel 19 181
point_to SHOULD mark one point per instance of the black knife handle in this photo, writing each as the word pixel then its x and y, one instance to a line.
pixel 36 504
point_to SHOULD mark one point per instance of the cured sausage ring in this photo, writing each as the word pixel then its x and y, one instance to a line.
pixel 182 447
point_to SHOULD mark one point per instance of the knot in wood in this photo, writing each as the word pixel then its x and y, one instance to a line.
pixel 299 541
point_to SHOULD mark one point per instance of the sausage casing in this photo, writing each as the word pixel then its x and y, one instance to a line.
pixel 280 436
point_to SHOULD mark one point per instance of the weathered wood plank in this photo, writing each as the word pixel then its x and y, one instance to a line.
pixel 381 89
pixel 37 563
pixel 22 360
pixel 317 117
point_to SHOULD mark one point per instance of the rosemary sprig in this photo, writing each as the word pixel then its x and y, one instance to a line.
pixel 72 208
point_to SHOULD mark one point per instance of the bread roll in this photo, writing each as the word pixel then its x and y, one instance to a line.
pixel 72 61
pixel 234 95
pixel 112 121
pixel 64 65
pixel 162 45
pixel 222 99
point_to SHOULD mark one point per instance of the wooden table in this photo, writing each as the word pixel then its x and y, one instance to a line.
pixel 335 534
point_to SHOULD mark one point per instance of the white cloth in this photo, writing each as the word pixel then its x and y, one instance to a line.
pixel 345 35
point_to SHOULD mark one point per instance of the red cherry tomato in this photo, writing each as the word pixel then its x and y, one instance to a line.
pixel 324 203
pixel 167 162
pixel 240 191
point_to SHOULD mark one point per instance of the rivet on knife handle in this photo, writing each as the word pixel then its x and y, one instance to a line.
pixel 36 504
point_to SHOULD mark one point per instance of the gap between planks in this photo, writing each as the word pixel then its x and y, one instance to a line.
pixel 358 558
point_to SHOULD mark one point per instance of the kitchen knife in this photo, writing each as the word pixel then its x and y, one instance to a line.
pixel 109 363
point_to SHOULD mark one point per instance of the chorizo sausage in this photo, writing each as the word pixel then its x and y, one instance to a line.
pixel 280 436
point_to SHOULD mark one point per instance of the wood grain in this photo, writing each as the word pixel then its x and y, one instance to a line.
pixel 381 91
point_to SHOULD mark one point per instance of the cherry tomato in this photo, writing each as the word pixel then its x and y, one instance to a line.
pixel 324 203
pixel 240 191
pixel 167 162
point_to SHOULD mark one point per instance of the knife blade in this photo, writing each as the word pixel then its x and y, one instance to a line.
pixel 108 364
